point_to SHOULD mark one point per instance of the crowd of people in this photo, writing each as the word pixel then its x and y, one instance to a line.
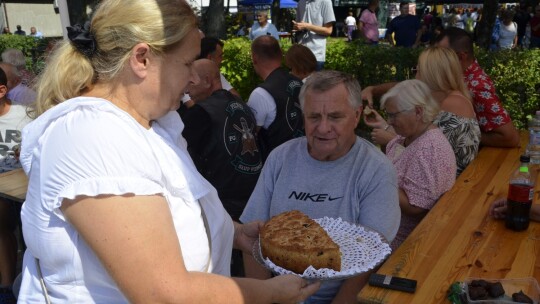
pixel 139 152
pixel 33 32
pixel 515 26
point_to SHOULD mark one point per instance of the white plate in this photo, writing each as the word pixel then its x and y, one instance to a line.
pixel 362 249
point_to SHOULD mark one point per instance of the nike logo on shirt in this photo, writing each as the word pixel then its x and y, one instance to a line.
pixel 317 197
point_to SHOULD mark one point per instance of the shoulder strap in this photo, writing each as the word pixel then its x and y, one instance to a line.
pixel 207 228
pixel 42 282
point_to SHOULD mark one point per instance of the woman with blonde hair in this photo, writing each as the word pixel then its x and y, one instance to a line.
pixel 116 211
pixel 439 68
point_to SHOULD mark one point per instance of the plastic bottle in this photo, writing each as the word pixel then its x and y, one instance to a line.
pixel 533 148
pixel 520 195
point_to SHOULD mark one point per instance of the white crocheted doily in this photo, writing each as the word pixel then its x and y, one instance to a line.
pixel 361 249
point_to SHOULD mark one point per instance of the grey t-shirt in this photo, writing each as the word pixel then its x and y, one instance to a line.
pixel 360 187
pixel 316 12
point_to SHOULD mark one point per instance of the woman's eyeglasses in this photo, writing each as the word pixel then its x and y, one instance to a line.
pixel 392 116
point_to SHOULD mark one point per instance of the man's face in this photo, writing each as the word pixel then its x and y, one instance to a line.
pixel 32 30
pixel 404 9
pixel 3 91
pixel 217 55
pixel 330 121
pixel 201 90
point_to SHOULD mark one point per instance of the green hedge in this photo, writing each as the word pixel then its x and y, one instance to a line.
pixel 516 74
pixel 32 47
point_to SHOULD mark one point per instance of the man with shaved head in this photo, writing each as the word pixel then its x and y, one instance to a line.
pixel 220 132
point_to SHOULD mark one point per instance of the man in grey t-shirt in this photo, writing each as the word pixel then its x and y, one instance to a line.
pixel 314 20
pixel 329 172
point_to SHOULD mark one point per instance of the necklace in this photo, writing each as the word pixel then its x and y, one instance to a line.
pixel 408 140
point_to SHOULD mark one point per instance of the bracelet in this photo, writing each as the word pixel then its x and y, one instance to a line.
pixel 386 127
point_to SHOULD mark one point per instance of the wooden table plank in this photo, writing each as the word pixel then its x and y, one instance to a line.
pixel 13 185
pixel 458 239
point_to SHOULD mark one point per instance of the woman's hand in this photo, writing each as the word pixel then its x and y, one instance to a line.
pixel 245 235
pixel 381 137
pixel 373 119
pixel 367 94
pixel 498 208
pixel 291 288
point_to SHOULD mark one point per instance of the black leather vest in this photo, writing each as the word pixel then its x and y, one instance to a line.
pixel 231 158
pixel 289 122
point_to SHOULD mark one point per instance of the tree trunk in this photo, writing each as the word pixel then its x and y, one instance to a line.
pixel 276 14
pixel 215 20
pixel 77 11
pixel 485 26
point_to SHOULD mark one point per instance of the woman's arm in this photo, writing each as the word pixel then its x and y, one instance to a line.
pixel 376 91
pixel 407 208
pixel 135 240
pixel 498 210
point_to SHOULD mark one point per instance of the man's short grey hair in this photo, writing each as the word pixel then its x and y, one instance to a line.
pixel 326 80
pixel 14 57
pixel 413 93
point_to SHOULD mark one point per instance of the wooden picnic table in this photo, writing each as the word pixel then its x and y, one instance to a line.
pixel 458 239
pixel 13 185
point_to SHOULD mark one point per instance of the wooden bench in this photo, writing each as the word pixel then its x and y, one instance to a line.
pixel 13 185
pixel 458 239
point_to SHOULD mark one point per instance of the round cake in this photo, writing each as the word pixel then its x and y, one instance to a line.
pixel 293 241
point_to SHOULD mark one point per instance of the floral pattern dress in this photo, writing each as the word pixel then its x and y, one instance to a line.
pixel 464 137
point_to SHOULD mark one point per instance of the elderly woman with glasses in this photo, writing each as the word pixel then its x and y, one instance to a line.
pixel 421 154
pixel 440 70
pixel 263 27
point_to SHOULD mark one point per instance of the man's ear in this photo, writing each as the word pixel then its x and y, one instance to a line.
pixel 254 58
pixel 3 91
pixel 140 59
pixel 358 113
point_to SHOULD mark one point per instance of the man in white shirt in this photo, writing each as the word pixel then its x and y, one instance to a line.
pixel 314 22
pixel 275 101
pixel 35 33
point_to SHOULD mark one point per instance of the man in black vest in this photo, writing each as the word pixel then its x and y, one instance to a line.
pixel 275 101
pixel 220 132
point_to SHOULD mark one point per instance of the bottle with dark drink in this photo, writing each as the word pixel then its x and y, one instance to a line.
pixel 520 195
